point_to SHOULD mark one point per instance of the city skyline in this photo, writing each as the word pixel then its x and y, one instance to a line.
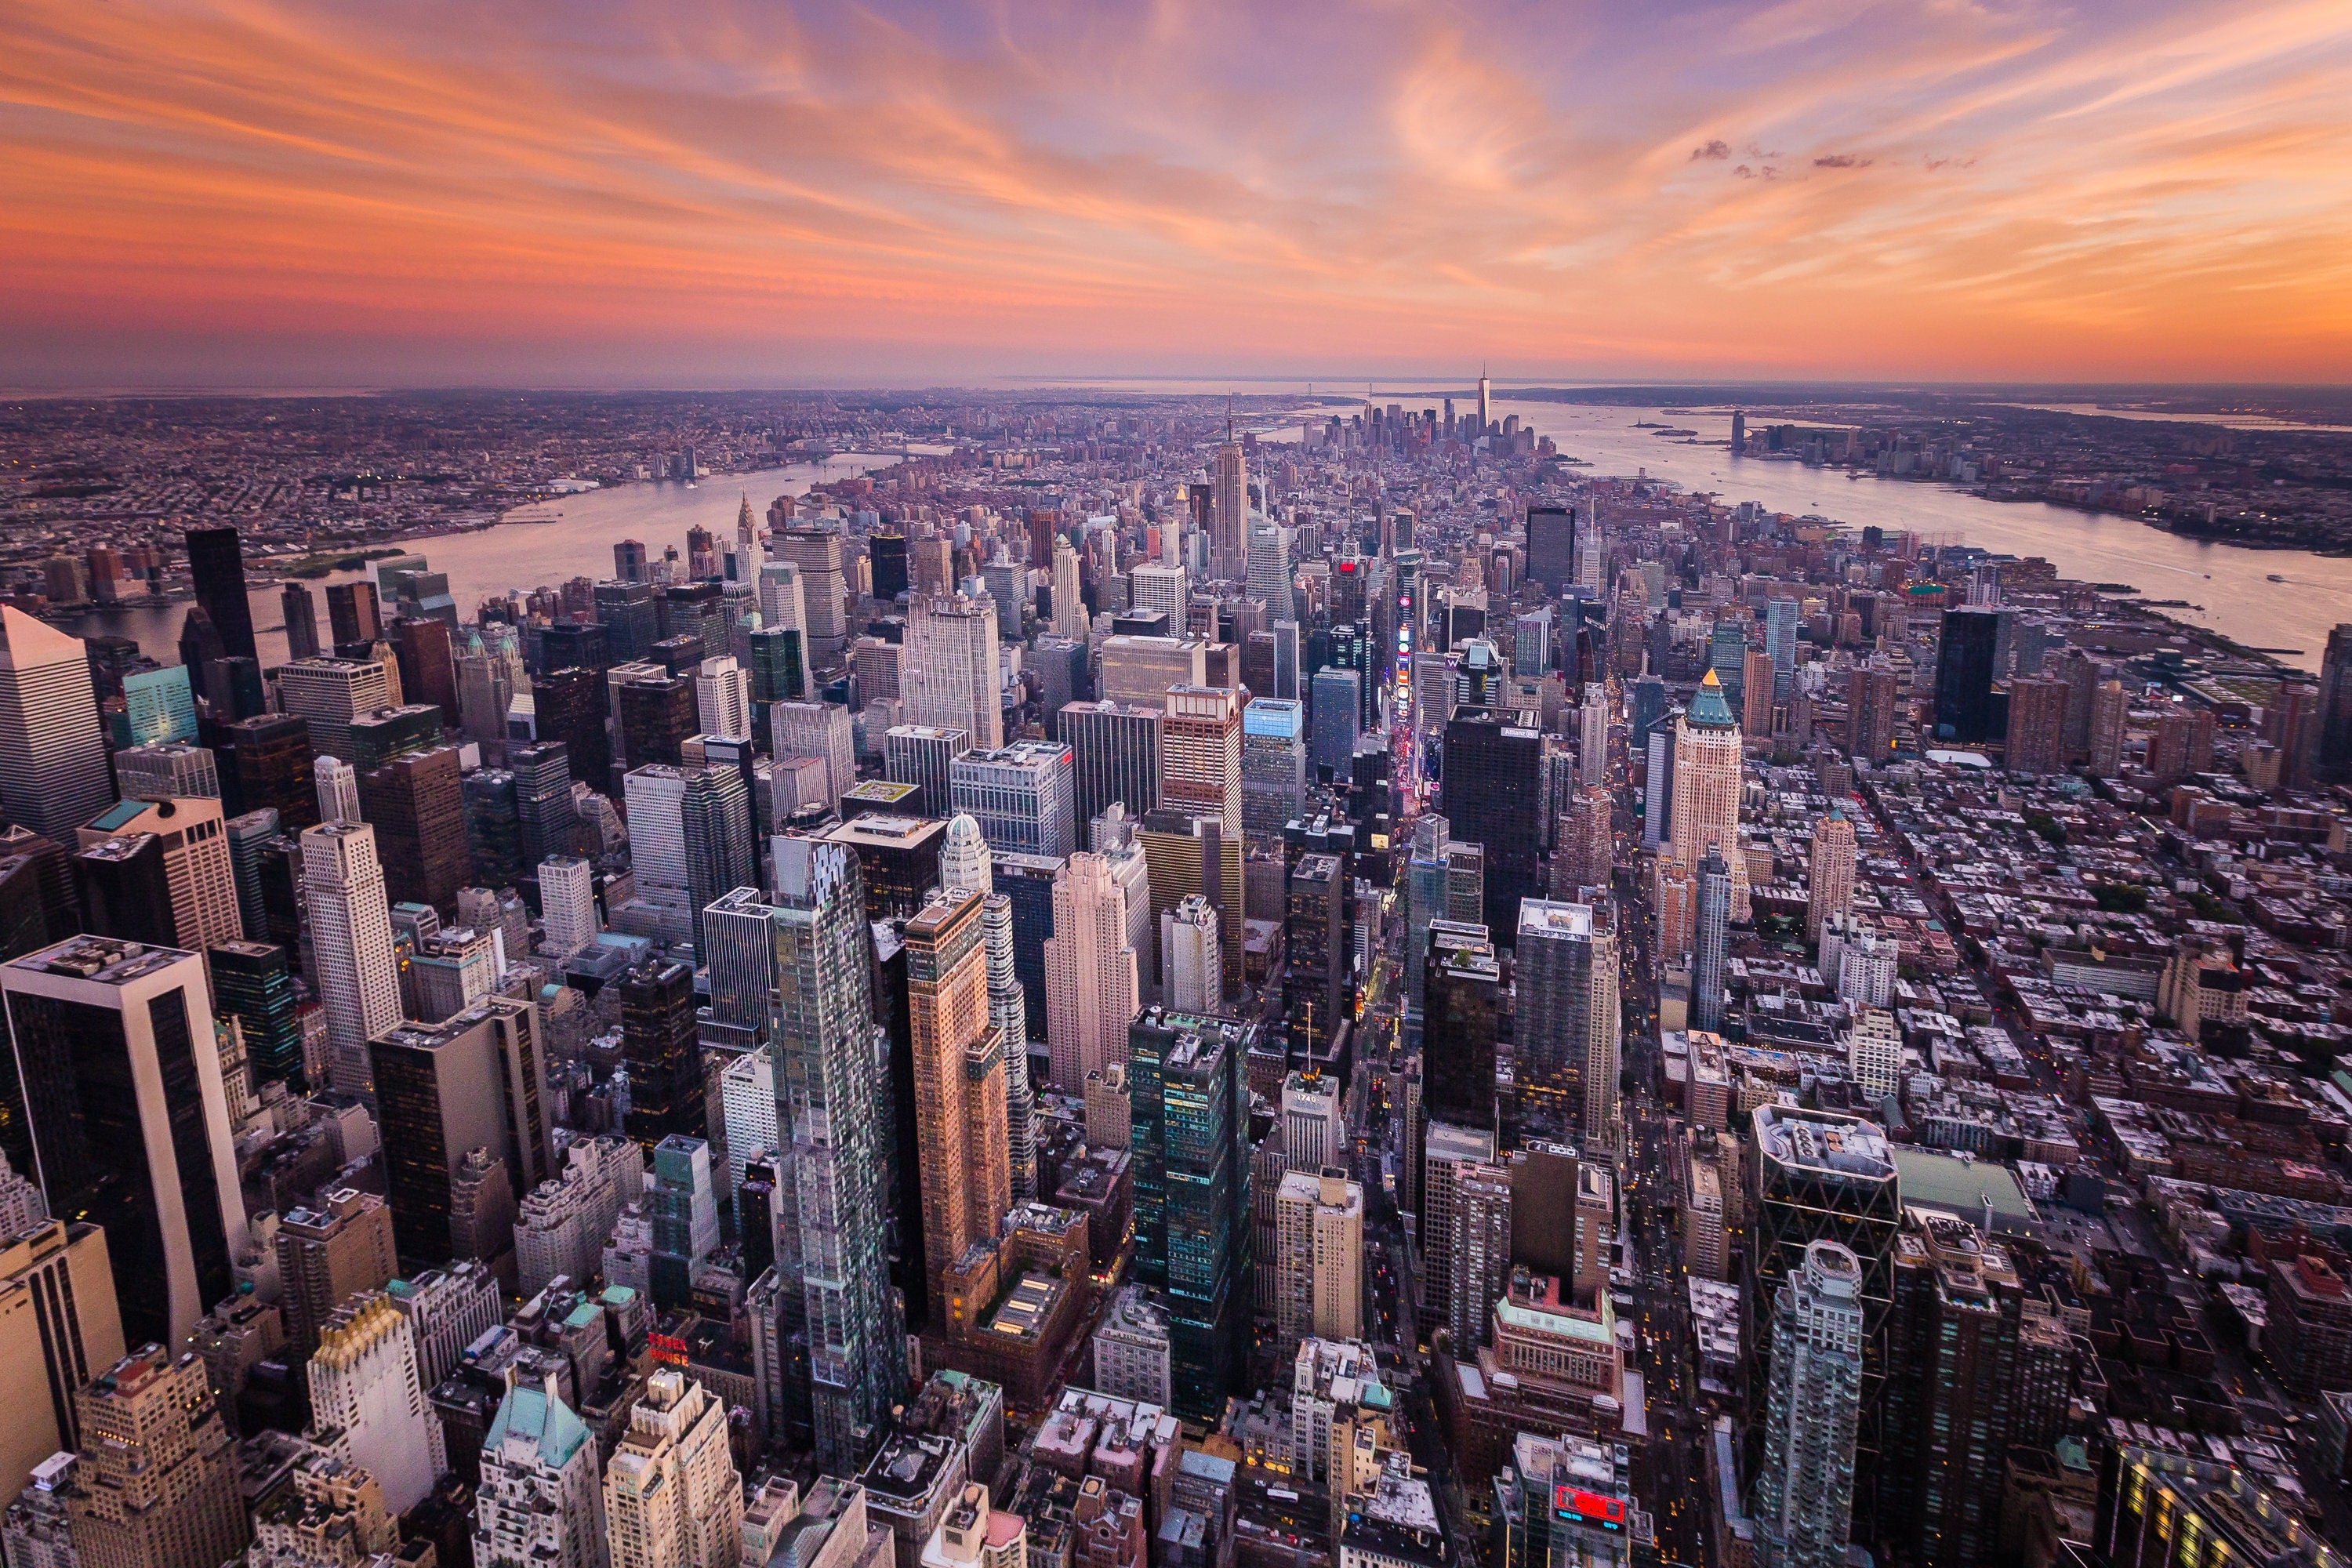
pixel 274 195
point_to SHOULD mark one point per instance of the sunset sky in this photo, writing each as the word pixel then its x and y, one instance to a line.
pixel 741 193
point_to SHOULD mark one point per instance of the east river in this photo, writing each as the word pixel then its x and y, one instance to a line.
pixel 2226 588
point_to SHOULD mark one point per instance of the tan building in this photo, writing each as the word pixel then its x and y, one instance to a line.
pixel 672 1497
pixel 59 1328
pixel 1319 1239
pixel 196 867
pixel 1091 972
pixel 1706 789
pixel 157 1486
pixel 1828 886
pixel 966 1171
pixel 973 1534
pixel 1201 755
pixel 325 1256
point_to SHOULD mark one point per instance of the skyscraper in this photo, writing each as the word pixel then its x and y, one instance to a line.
pixel 1710 939
pixel 831 1229
pixel 1803 1503
pixel 1965 672
pixel 722 698
pixel 1872 697
pixel 1022 796
pixel 2335 757
pixel 672 1497
pixel 1493 796
pixel 200 880
pixel 1706 786
pixel 1192 957
pixel 417 806
pixel 157 1486
pixel 1317 992
pixel 1570 1027
pixel 476 1081
pixel 330 693
pixel 217 565
pixel 1319 1266
pixel 2036 739
pixel 1334 719
pixel 1115 756
pixel 1091 973
pixel 657 1042
pixel 1552 547
pixel 1189 1143
pixel 715 817
pixel 1829 882
pixel 1228 557
pixel 539 1502
pixel 53 774
pixel 959 1084
pixel 1274 763
pixel 1201 757
pixel 919 755
pixel 114 1053
pixel 567 899
pixel 950 673
pixel 301 612
pixel 350 921
pixel 365 1384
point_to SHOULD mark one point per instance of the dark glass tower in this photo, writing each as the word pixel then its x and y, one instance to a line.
pixel 1188 1089
pixel 217 564
pixel 1964 676
pixel 889 551
pixel 657 1041
pixel 1493 795
pixel 1551 546
pixel 254 984
pixel 568 706
pixel 1464 991
pixel 832 1239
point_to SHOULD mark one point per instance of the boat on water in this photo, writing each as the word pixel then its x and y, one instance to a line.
pixel 2276 578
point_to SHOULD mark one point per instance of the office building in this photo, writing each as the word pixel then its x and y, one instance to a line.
pixel 1569 1023
pixel 474 1081
pixel 1552 547
pixel 1965 671
pixel 350 921
pixel 662 906
pixel 825 1056
pixel 1803 1503
pixel 1710 939
pixel 672 1496
pixel 1460 1021
pixel 156 1486
pixel 1334 719
pixel 1829 883
pixel 328 693
pixel 1115 756
pixel 272 758
pixel 1092 979
pixel 1189 1144
pixel 326 1253
pixel 1273 765
pixel 715 819
pixel 1319 1269
pixel 922 755
pixel 683 1204
pixel 417 804
pixel 951 668
pixel 1201 757
pixel 659 1045
pixel 1191 957
pixel 1318 993
pixel 2334 761
pixel 166 769
pixel 217 566
pixel 1492 795
pixel 959 1084
pixel 1022 795
pixel 1585 854
pixel 1706 786
pixel 1229 518
pixel 1139 668
pixel 722 698
pixel 820 729
pixel 540 1498
pixel 899 856
pixel 2036 742
pixel 53 771
pixel 199 879
pixel 818 552
pixel 87 1017
pixel 1447 1152
pixel 567 900
pixel 1874 1055
pixel 59 1328
pixel 365 1388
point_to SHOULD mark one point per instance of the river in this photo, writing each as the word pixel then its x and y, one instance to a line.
pixel 2231 584
pixel 542 545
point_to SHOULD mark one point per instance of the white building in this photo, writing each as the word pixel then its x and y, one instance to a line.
pixel 1874 1053
pixel 1191 956
pixel 540 1501
pixel 746 1097
pixel 166 769
pixel 350 925
pixel 53 775
pixel 1314 1130
pixel 328 693
pixel 662 905
pixel 447 1309
pixel 565 1220
pixel 368 1403
pixel 819 730
pixel 1131 1353
pixel 567 897
pixel 722 698
pixel 950 672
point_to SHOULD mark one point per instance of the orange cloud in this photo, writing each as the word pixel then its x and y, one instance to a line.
pixel 530 193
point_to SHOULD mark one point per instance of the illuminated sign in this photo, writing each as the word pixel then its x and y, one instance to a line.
pixel 667 1349
pixel 1589 1507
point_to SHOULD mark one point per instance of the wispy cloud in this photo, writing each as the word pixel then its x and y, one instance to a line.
pixel 761 192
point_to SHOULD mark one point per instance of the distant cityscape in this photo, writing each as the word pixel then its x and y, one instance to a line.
pixel 1166 981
